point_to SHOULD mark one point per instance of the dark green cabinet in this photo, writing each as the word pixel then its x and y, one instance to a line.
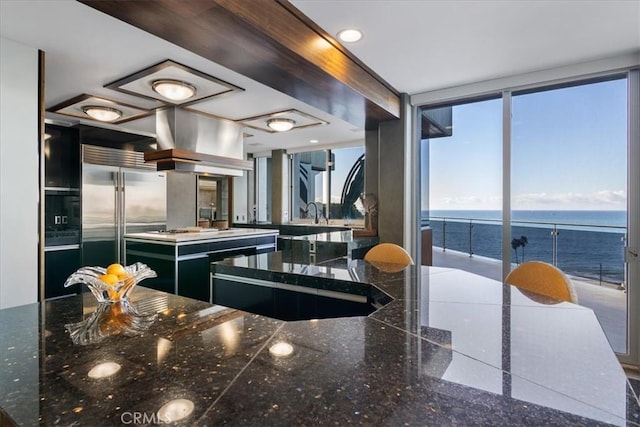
pixel 164 268
pixel 58 265
pixel 185 267
pixel 61 157
pixel 62 214
pixel 289 305
pixel 193 278
pixel 62 209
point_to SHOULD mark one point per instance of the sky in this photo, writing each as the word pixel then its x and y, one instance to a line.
pixel 568 152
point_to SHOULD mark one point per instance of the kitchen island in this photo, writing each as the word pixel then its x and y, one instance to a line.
pixel 181 259
pixel 322 246
pixel 446 348
pixel 295 228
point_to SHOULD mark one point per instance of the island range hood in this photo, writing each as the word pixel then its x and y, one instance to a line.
pixel 197 143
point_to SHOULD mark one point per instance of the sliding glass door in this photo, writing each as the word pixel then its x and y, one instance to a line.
pixel 465 163
pixel 569 191
pixel 562 165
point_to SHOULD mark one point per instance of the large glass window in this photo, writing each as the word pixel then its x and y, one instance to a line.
pixel 262 208
pixel 465 178
pixel 308 171
pixel 570 170
pixel 569 191
pixel 347 184
pixel 332 179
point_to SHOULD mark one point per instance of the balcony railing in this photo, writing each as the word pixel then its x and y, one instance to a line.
pixel 585 250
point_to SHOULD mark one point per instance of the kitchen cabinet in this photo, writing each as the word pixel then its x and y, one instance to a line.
pixel 62 209
pixel 61 157
pixel 284 295
pixel 182 260
pixel 62 186
pixel 60 262
pixel 193 278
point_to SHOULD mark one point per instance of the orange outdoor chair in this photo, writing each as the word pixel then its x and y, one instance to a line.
pixel 388 257
pixel 544 279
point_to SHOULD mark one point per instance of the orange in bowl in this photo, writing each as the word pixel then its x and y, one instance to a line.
pixel 109 279
pixel 112 280
pixel 116 269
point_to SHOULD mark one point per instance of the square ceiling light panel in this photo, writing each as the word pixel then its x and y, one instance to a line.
pixel 202 86
pixel 84 106
pixel 300 120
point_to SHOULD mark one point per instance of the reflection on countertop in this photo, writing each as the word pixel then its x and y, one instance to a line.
pixel 452 348
pixel 296 229
pixel 327 245
pixel 342 236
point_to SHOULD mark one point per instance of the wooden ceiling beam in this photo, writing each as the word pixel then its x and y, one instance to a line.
pixel 272 43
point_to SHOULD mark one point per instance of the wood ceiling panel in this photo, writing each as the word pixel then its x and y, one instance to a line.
pixel 270 42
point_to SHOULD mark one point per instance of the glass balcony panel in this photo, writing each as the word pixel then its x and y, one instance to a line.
pixel 594 255
pixel 539 243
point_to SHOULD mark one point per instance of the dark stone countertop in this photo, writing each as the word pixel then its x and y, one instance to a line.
pixel 295 229
pixel 338 237
pixel 320 247
pixel 451 348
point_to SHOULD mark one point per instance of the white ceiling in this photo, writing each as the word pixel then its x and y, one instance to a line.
pixel 416 46
pixel 86 49
pixel 423 45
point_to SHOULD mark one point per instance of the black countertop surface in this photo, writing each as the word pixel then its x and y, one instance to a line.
pixel 320 247
pixel 343 236
pixel 450 348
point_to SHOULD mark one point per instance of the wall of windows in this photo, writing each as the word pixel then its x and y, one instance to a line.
pixel 261 210
pixel 331 179
pixel 545 173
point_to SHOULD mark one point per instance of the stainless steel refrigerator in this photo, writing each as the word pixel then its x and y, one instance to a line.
pixel 120 194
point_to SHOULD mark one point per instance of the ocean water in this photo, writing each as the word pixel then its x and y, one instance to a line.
pixel 588 244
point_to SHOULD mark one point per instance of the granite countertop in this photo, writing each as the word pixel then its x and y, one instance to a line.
pixel 338 223
pixel 203 235
pixel 345 236
pixel 450 348
pixel 299 228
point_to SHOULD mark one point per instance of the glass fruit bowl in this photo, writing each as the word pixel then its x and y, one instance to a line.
pixel 115 318
pixel 113 283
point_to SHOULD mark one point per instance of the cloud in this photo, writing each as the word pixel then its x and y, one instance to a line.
pixel 605 199
pixel 467 202
pixel 598 200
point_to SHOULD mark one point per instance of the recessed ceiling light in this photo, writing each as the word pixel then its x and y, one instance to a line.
pixel 281 125
pixel 103 114
pixel 313 141
pixel 174 90
pixel 281 349
pixel 104 370
pixel 350 35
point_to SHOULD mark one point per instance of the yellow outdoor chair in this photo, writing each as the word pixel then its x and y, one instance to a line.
pixel 544 279
pixel 388 257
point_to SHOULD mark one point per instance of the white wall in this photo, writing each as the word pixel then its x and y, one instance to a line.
pixel 18 174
